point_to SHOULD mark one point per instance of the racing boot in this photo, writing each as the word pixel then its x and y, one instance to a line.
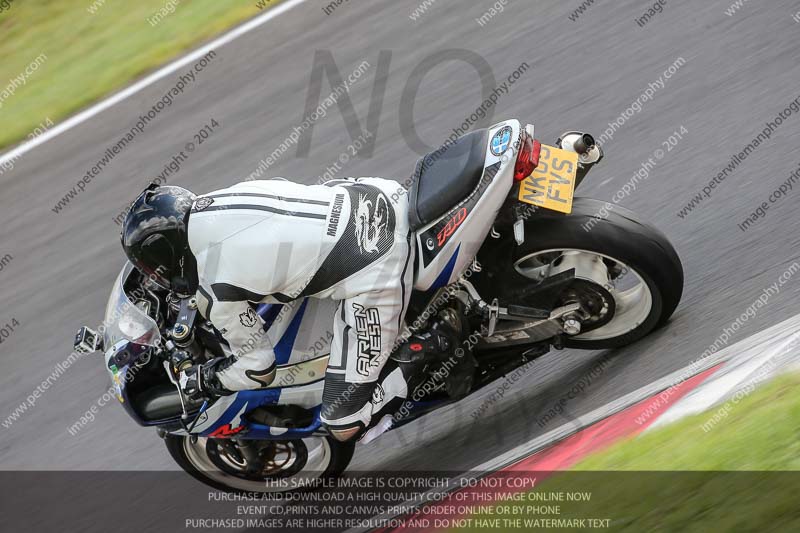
pixel 440 355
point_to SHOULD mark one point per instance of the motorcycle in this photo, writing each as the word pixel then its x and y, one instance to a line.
pixel 503 250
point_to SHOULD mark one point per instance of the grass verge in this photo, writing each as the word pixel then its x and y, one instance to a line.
pixel 58 56
pixel 739 473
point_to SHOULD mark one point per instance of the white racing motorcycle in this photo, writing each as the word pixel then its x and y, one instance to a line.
pixel 504 250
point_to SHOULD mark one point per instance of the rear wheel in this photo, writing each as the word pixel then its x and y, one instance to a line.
pixel 281 465
pixel 630 278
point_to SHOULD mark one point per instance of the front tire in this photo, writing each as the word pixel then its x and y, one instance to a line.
pixel 295 464
pixel 620 239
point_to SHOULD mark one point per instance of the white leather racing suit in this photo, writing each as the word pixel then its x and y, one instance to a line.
pixel 275 241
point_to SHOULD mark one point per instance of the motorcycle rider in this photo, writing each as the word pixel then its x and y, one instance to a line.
pixel 273 242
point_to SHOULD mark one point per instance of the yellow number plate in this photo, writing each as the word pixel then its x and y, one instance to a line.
pixel 551 185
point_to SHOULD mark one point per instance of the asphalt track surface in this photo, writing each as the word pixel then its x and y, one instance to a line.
pixel 740 71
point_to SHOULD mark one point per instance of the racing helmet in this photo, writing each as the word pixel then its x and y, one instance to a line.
pixel 154 237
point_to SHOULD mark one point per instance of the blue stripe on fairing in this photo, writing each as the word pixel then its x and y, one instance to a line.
pixel 260 397
pixel 269 312
pixel 228 415
pixel 284 347
pixel 250 398
pixel 444 276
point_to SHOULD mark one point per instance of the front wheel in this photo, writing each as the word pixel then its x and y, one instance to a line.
pixel 282 466
pixel 630 278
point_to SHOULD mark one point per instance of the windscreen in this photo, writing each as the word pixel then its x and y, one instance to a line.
pixel 125 321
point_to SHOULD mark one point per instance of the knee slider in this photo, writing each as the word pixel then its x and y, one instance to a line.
pixel 345 434
pixel 263 377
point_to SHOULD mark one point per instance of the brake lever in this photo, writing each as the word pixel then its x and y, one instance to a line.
pixel 174 381
pixel 185 415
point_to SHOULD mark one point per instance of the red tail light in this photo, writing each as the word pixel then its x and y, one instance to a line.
pixel 528 157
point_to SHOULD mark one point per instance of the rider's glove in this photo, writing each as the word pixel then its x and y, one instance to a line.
pixel 201 380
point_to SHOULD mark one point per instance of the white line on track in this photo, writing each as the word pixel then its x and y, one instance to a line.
pixel 745 369
pixel 164 71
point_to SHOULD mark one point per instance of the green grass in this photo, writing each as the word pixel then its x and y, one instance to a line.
pixel 760 432
pixel 89 56
pixel 740 475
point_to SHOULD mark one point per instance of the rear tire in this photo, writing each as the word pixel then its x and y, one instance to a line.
pixel 623 237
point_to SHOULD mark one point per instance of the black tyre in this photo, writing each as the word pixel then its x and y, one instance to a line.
pixel 625 245
pixel 214 463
